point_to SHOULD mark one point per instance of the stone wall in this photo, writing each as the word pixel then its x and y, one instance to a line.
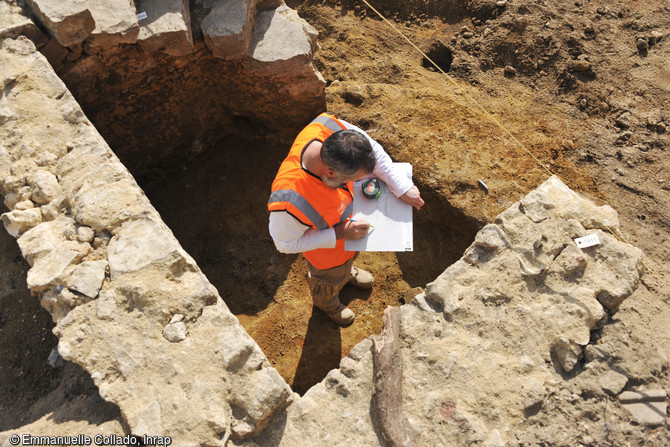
pixel 130 305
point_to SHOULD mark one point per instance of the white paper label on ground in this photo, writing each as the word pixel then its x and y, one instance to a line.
pixel 141 15
pixel 587 241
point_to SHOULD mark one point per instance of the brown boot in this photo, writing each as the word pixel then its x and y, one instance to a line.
pixel 342 315
pixel 361 278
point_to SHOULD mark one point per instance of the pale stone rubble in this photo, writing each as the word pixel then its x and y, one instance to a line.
pixel 266 32
pixel 131 306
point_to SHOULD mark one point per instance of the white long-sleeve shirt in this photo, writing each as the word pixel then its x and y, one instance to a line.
pixel 292 236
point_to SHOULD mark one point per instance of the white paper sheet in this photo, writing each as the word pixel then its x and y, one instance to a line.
pixel 391 217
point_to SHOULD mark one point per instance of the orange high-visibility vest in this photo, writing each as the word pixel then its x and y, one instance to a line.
pixel 304 196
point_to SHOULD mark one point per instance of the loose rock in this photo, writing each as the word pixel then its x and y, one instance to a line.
pixel 19 221
pixel 613 382
pixel 87 278
pixel 582 66
pixel 175 332
pixel 647 407
pixel 642 45
pixel 44 187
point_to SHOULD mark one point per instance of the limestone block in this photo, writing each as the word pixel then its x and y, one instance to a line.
pixel 21 46
pixel 70 21
pixel 12 183
pixel 228 28
pixel 44 238
pixel 24 205
pixel 18 221
pixel 135 367
pixel 348 417
pixel 115 22
pixel 51 86
pixel 106 206
pixel 647 407
pixel 193 390
pixel 87 278
pixel 44 186
pixel 5 163
pixel 522 290
pixel 264 392
pixel 282 43
pixel 140 243
pixel 619 276
pixel 167 27
pixel 48 250
pixel 14 24
pixel 49 270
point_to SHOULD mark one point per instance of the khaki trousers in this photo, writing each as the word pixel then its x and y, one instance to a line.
pixel 325 285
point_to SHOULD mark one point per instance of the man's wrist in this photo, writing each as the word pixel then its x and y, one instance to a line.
pixel 339 230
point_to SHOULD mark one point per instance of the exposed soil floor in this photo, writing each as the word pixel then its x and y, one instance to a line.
pixel 603 131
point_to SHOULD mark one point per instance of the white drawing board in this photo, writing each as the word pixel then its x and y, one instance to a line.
pixel 390 216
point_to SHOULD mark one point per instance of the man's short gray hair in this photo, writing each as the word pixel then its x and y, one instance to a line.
pixel 348 151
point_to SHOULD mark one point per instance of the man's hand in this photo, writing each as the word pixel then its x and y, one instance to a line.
pixel 413 197
pixel 351 230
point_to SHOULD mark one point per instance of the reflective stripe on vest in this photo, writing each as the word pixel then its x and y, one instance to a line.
pixel 298 201
pixel 347 212
pixel 327 121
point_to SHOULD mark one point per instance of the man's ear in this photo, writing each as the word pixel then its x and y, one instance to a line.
pixel 330 172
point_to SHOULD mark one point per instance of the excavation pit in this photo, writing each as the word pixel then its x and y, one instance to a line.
pixel 216 208
pixel 204 139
